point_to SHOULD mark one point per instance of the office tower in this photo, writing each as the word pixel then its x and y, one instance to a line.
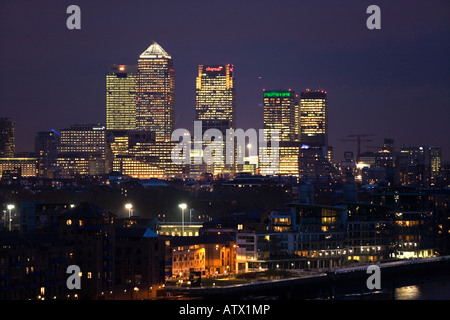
pixel 435 162
pixel 121 97
pixel 155 92
pixel 215 97
pixel 82 151
pixel 7 143
pixel 46 150
pixel 314 118
pixel 315 158
pixel 279 113
pixel 215 103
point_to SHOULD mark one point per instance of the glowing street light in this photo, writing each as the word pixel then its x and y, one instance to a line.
pixel 183 206
pixel 129 206
pixel 10 207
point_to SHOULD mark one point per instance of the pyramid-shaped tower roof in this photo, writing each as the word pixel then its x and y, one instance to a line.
pixel 155 51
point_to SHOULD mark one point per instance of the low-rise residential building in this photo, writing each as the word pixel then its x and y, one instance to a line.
pixel 207 255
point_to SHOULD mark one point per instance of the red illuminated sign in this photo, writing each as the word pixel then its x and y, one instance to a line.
pixel 214 69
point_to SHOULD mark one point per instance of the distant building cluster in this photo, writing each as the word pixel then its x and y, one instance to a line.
pixel 140 119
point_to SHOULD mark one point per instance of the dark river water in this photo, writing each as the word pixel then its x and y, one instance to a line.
pixel 429 288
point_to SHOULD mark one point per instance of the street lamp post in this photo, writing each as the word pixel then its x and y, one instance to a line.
pixel 129 206
pixel 10 207
pixel 183 206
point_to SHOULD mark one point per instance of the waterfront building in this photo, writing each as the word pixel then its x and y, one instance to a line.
pixel 370 232
pixel 155 92
pixel 138 263
pixel 206 255
pixel 321 234
pixel 91 231
pixel 121 97
pixel 117 261
pixel 7 138
pixel 33 266
pixel 414 216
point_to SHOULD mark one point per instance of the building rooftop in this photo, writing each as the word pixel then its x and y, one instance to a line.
pixel 135 233
pixel 202 239
pixel 84 210
pixel 13 238
pixel 155 51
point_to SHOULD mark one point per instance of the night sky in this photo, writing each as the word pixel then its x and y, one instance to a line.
pixel 392 82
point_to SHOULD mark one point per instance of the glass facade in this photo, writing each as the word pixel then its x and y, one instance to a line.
pixel 121 97
pixel 215 105
pixel 279 113
pixel 215 96
pixel 314 118
pixel 155 92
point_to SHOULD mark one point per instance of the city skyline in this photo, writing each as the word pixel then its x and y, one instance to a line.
pixel 399 71
pixel 249 150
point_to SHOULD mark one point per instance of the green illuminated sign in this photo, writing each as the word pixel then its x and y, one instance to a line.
pixel 277 94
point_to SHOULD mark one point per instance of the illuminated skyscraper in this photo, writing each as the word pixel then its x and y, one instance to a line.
pixel 121 97
pixel 314 118
pixel 7 143
pixel 279 113
pixel 215 104
pixel 155 92
pixel 215 97
pixel 315 158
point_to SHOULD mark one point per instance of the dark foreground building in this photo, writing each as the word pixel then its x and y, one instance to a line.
pixel 115 262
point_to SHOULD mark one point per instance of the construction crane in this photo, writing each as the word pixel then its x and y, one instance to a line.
pixel 358 140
